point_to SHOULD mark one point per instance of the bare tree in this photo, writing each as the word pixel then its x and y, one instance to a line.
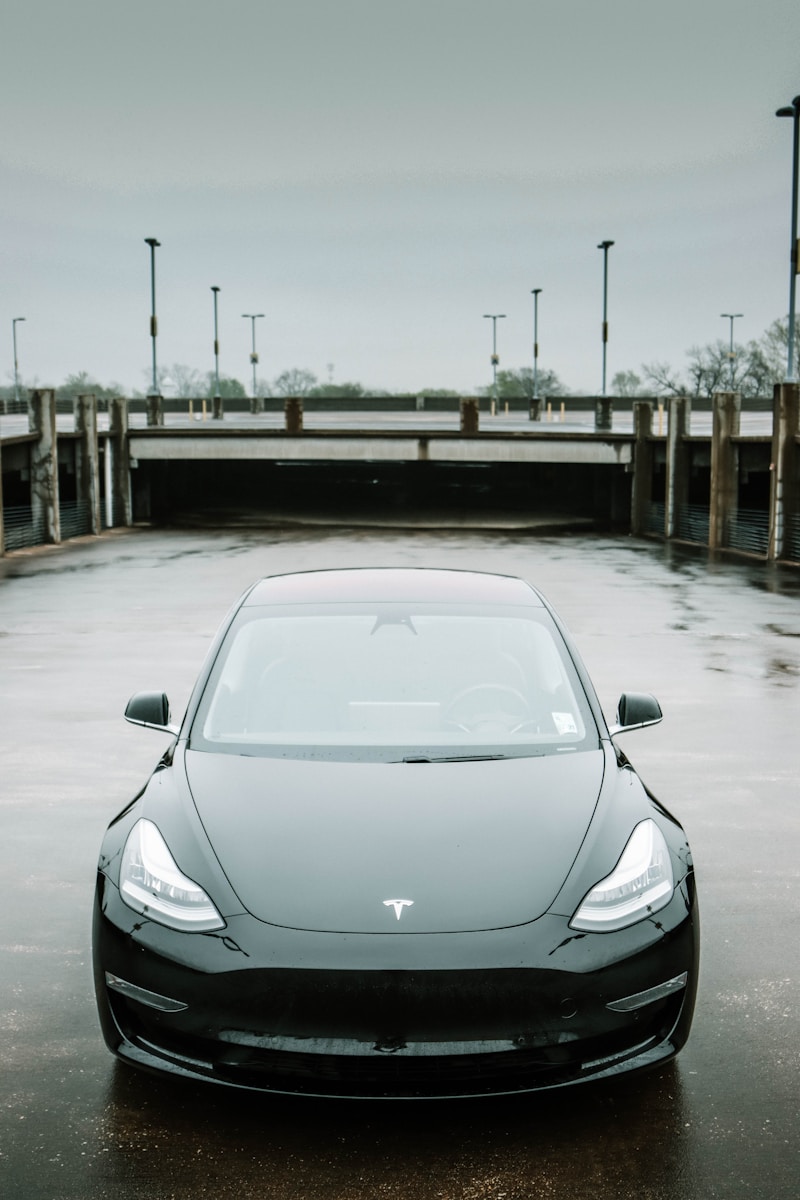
pixel 294 382
pixel 757 367
pixel 664 380
pixel 182 381
pixel 709 370
pixel 774 345
pixel 626 383
pixel 762 373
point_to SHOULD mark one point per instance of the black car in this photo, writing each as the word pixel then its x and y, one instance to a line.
pixel 392 850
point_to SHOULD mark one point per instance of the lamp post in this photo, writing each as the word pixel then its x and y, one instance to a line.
pixel 605 246
pixel 217 395
pixel 14 322
pixel 731 353
pixel 152 243
pixel 494 318
pixel 253 317
pixel 535 292
pixel 793 111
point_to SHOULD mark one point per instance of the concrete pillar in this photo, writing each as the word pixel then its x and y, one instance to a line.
pixel 293 415
pixel 87 464
pixel 117 445
pixel 217 408
pixel 784 502
pixel 108 515
pixel 642 466
pixel 603 412
pixel 676 496
pixel 154 407
pixel 256 405
pixel 724 498
pixel 44 463
pixel 469 414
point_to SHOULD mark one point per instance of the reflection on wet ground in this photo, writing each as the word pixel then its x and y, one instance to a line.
pixel 84 626
pixel 517 1147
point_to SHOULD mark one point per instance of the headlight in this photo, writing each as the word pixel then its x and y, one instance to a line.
pixel 640 884
pixel 151 883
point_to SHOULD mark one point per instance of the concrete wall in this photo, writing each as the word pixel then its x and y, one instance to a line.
pixel 409 403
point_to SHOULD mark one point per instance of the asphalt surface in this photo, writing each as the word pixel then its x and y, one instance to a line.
pixel 85 625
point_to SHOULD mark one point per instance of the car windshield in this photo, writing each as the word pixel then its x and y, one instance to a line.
pixel 388 683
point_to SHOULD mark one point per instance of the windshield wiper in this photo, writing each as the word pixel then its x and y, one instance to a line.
pixel 425 758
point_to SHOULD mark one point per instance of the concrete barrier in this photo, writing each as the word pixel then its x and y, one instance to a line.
pixel 293 415
pixel 469 417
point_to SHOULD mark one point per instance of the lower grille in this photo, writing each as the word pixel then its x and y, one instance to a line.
pixel 407 1071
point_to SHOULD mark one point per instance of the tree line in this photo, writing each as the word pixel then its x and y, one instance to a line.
pixel 753 371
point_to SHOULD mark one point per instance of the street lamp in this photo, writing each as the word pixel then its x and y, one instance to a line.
pixel 14 322
pixel 793 111
pixel 535 292
pixel 604 246
pixel 152 243
pixel 217 396
pixel 494 318
pixel 731 355
pixel 253 317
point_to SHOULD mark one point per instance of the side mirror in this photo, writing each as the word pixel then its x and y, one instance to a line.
pixel 635 711
pixel 150 709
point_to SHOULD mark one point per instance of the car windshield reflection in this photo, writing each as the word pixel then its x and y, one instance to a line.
pixel 382 683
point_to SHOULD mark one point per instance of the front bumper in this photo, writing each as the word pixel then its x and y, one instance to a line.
pixel 505 1011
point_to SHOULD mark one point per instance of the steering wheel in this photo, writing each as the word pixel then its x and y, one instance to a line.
pixel 488 708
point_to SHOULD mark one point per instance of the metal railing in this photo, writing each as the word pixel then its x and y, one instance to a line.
pixel 655 517
pixel 75 518
pixel 692 524
pixel 21 529
pixel 791 549
pixel 748 530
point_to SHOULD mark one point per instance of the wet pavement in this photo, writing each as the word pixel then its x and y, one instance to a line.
pixel 576 420
pixel 718 641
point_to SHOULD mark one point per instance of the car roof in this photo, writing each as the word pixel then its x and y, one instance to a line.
pixel 393 584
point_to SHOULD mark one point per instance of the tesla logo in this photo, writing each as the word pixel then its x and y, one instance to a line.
pixel 398 906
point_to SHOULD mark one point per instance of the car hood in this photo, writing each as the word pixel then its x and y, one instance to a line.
pixel 333 846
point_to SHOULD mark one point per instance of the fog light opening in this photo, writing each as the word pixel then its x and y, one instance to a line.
pixel 640 999
pixel 143 996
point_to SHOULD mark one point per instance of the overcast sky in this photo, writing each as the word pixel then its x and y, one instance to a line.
pixel 375 175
